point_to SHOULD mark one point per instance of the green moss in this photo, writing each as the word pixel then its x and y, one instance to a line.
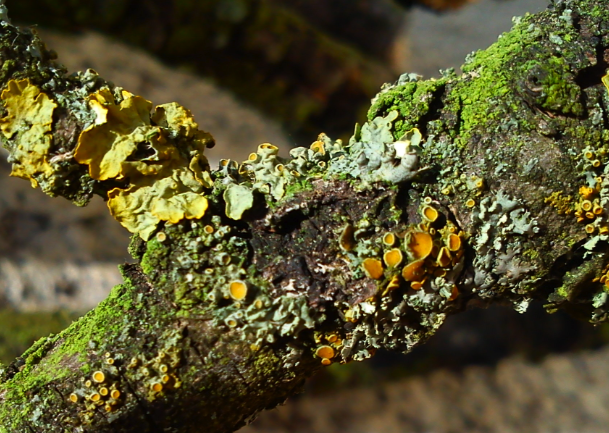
pixel 154 253
pixel 558 92
pixel 7 69
pixel 478 99
pixel 531 254
pixel 412 100
pixel 96 326
pixel 298 186
pixel 482 95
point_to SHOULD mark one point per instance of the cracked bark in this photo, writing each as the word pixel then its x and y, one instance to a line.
pixel 512 161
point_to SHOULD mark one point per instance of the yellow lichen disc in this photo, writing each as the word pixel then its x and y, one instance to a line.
pixel 268 149
pixel 430 213
pixel 373 268
pixel 586 205
pixel 98 377
pixel 417 285
pixel 237 290
pixel 394 283
pixel 454 293
pixel 346 240
pixel 393 257
pixel 444 258
pixel 389 239
pixel 318 146
pixel 454 242
pixel 420 244
pixel 414 271
pixel 325 352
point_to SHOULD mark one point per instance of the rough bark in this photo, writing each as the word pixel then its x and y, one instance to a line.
pixel 491 186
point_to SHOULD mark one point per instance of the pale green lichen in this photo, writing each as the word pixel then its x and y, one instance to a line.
pixel 375 156
pixel 273 176
pixel 238 199
pixel 503 227
pixel 267 170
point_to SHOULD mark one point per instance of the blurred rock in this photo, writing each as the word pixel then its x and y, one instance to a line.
pixel 33 285
pixel 563 394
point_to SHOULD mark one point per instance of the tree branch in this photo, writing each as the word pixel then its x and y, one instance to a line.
pixel 487 187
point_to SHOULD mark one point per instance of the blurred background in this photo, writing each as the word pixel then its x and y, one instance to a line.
pixel 282 71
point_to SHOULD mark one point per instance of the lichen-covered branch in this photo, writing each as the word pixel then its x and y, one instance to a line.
pixel 491 186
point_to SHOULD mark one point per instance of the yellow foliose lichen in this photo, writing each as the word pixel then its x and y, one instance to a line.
pixel 174 116
pixel 198 165
pixel 140 208
pixel 165 182
pixel 30 118
pixel 238 198
pixel 106 144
